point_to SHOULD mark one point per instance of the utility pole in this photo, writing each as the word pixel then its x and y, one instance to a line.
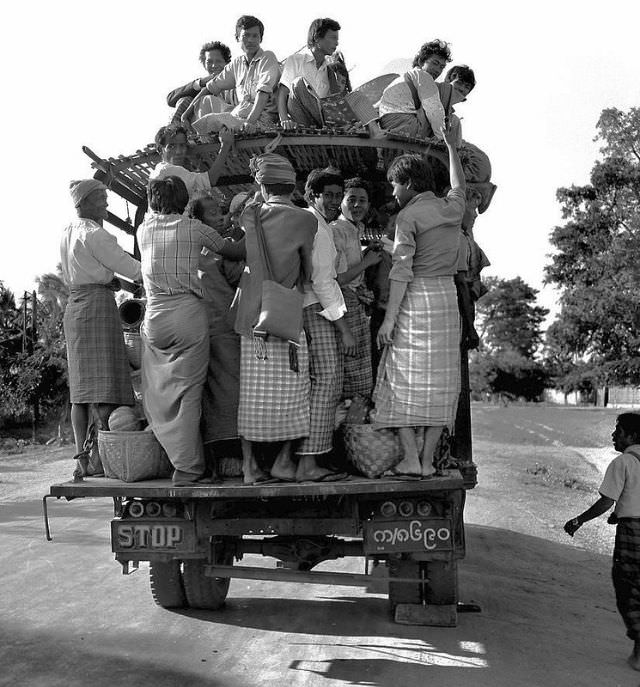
pixel 35 407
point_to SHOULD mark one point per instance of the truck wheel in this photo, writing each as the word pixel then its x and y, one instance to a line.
pixel 166 584
pixel 202 591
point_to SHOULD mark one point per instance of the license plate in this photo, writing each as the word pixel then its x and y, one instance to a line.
pixel 388 536
pixel 169 535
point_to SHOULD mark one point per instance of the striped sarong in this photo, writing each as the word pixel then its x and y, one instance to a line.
pixel 274 400
pixel 326 369
pixel 358 374
pixel 99 369
pixel 175 333
pixel 419 374
pixel 626 574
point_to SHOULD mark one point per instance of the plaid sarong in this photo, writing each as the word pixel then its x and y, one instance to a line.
pixel 274 400
pixel 626 574
pixel 326 368
pixel 358 375
pixel 99 369
pixel 419 374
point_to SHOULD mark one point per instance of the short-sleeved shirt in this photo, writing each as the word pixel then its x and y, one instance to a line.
pixel 397 98
pixel 170 247
pixel 194 181
pixel 622 483
pixel 428 233
pixel 324 288
pixel 304 64
pixel 346 237
pixel 250 78
pixel 89 254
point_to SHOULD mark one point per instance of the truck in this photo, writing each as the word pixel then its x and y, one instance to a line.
pixel 410 535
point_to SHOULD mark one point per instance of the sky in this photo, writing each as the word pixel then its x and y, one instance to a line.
pixel 84 73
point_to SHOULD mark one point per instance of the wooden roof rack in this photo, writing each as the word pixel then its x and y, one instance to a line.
pixel 353 154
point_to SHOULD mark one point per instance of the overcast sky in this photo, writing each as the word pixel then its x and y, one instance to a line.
pixel 83 73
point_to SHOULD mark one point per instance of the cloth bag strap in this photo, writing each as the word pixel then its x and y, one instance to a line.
pixel 262 246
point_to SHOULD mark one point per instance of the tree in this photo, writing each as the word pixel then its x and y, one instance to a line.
pixel 595 263
pixel 509 323
pixel 508 318
pixel 32 350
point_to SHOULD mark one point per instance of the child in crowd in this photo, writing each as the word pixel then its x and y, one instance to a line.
pixel 621 486
pixel 219 279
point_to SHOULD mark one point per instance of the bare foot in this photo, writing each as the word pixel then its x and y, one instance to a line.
pixel 284 475
pixel 428 471
pixel 251 471
pixel 410 463
pixel 309 471
pixel 283 466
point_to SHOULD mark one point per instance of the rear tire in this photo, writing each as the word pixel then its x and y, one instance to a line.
pixel 166 583
pixel 205 592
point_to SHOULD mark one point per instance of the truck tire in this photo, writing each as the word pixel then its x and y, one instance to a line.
pixel 205 592
pixel 167 587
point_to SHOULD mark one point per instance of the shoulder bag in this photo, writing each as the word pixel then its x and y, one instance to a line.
pixel 281 308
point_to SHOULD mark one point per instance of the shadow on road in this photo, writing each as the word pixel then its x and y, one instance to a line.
pixel 51 659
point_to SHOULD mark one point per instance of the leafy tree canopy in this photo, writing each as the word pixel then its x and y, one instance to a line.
pixel 595 263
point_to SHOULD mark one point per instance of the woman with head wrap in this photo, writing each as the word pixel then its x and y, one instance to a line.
pixel 274 398
pixel 175 329
pixel 98 366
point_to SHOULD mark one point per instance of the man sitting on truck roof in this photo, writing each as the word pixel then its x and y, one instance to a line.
pixel 254 76
pixel 173 147
pixel 213 57
pixel 314 88
pixel 411 103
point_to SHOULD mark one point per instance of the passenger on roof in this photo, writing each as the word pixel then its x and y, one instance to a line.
pixel 458 83
pixel 411 104
pixel 315 90
pixel 213 57
pixel 172 145
pixel 254 76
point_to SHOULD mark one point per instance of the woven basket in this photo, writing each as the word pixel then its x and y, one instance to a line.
pixel 133 344
pixel 372 451
pixel 132 456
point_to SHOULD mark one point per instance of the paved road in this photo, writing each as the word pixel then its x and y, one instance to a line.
pixel 70 618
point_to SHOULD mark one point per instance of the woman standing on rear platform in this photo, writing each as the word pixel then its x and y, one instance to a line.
pixel 98 366
pixel 419 374
pixel 175 331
